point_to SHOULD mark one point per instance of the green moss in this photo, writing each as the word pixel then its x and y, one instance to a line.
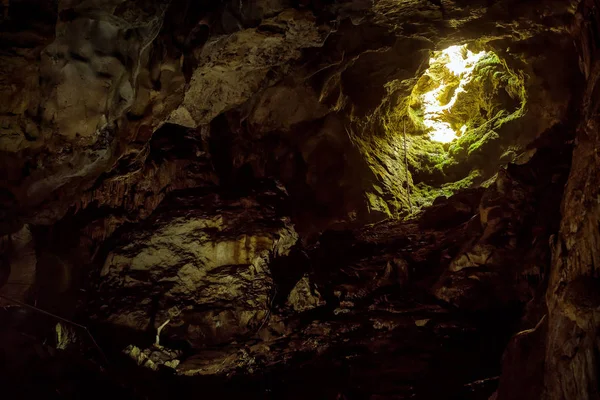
pixel 474 178
pixel 376 204
pixel 492 101
pixel 423 195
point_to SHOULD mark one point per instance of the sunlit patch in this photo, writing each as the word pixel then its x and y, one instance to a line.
pixel 456 62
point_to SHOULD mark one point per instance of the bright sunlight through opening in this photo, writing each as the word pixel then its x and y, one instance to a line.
pixel 460 62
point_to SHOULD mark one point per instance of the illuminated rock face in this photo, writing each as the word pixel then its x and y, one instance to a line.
pixel 460 118
pixel 208 270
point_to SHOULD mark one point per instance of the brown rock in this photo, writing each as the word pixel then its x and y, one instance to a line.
pixel 207 271
pixel 304 296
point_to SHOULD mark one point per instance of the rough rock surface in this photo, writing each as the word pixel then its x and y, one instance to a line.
pixel 193 64
pixel 508 256
pixel 572 296
pixel 304 296
pixel 236 198
pixel 563 346
pixel 225 80
pixel 202 264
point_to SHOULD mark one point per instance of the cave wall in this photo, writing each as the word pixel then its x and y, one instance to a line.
pixel 556 357
pixel 572 298
pixel 215 141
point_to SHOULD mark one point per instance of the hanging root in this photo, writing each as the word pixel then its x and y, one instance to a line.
pixel 406 168
pixel 160 328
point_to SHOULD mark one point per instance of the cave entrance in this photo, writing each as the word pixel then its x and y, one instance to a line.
pixel 460 117
pixel 442 89
pixel 463 89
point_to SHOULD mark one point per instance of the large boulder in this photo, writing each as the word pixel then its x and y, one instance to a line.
pixel 201 263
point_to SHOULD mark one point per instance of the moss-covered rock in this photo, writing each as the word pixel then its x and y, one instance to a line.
pixel 480 98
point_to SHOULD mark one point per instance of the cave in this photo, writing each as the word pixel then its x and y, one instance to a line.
pixel 292 199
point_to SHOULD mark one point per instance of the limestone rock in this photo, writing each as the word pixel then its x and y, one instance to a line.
pixel 234 68
pixel 571 357
pixel 154 357
pixel 505 256
pixel 296 104
pixel 304 296
pixel 71 134
pixel 203 263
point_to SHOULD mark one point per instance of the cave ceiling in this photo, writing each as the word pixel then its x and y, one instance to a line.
pixel 312 94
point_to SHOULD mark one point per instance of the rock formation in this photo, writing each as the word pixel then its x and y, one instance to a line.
pixel 342 199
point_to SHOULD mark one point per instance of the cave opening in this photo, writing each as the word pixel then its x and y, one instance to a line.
pixel 444 90
pixel 462 120
pixel 463 89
